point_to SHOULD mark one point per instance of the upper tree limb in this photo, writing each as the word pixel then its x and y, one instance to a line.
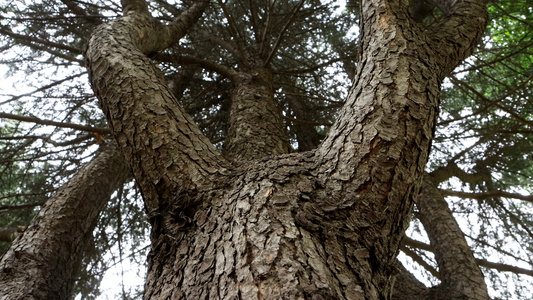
pixel 166 150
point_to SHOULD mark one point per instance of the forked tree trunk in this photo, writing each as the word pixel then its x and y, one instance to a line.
pixel 42 262
pixel 323 224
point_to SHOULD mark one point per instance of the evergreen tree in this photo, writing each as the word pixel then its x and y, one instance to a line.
pixel 261 175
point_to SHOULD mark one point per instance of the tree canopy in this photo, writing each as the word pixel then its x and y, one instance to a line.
pixel 307 51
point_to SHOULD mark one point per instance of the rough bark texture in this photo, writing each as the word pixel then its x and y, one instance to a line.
pixel 460 275
pixel 165 149
pixel 255 128
pixel 42 261
pixel 323 224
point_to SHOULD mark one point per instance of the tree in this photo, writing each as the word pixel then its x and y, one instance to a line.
pixel 326 223
pixel 250 219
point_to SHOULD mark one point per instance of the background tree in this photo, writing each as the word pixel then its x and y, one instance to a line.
pixel 305 90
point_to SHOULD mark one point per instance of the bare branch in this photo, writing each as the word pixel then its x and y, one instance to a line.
pixel 21 206
pixel 492 102
pixel 486 195
pixel 419 260
pixel 53 123
pixel 235 34
pixel 282 32
pixel 8 234
pixel 190 60
pixel 76 9
pixel 481 262
pixel 43 88
pixel 309 69
pixel 6 31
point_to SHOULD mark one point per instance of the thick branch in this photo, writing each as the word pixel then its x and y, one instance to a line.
pixel 407 286
pixel 256 127
pixel 377 149
pixel 8 234
pixel 41 262
pixel 452 169
pixel 459 272
pixel 168 153
pixel 457 36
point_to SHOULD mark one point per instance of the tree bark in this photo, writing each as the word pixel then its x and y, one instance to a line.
pixel 41 263
pixel 255 127
pixel 323 224
pixel 460 275
pixel 459 272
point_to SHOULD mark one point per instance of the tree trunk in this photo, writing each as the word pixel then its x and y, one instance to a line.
pixel 255 128
pixel 322 224
pixel 41 263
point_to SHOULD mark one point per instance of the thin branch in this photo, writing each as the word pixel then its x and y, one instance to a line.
pixel 407 241
pixel 8 32
pixel 282 33
pixel 490 102
pixel 268 25
pixel 254 18
pixel 233 30
pixel 514 52
pixel 52 18
pixel 413 255
pixel 77 10
pixel 57 124
pixel 503 267
pixel 319 98
pixel 306 122
pixel 43 88
pixel 505 12
pixel 485 195
pixel 189 60
pixel 481 262
pixel 222 43
pixel 47 139
pixel 309 69
pixel 21 206
pixel 511 112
